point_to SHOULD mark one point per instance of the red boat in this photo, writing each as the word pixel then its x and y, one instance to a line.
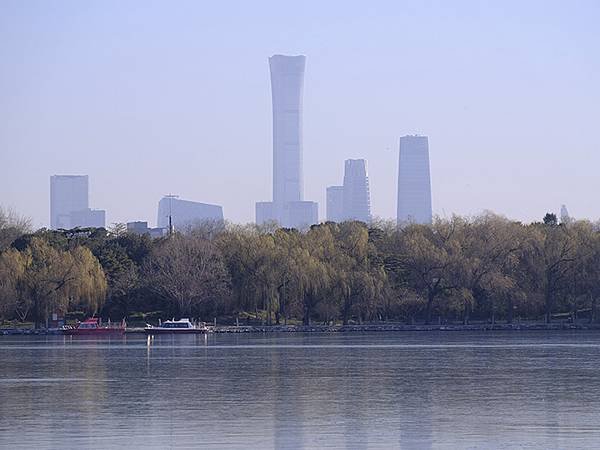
pixel 92 327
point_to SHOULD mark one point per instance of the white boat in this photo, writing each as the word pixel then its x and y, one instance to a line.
pixel 181 326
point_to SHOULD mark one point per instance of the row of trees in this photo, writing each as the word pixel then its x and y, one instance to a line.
pixel 483 268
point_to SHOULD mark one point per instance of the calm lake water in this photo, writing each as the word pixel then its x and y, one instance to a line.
pixel 375 390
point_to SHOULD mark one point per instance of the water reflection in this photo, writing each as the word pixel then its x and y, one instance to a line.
pixel 301 391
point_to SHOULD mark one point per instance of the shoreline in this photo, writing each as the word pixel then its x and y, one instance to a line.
pixel 366 328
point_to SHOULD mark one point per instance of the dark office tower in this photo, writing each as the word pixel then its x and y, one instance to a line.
pixel 414 181
pixel 357 200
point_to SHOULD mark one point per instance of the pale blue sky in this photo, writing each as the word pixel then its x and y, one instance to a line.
pixel 150 97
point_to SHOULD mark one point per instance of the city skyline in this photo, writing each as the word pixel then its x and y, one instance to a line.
pixel 269 224
pixel 197 124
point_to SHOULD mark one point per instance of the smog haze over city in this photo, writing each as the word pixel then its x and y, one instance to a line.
pixel 149 98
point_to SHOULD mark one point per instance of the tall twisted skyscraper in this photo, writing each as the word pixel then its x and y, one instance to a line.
pixel 414 181
pixel 288 207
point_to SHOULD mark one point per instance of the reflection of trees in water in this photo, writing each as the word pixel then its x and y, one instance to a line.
pixel 355 403
pixel 287 406
pixel 269 396
pixel 414 408
pixel 83 396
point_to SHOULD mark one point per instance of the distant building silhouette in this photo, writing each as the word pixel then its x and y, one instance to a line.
pixel 352 201
pixel 414 181
pixel 357 198
pixel 69 203
pixel 300 215
pixel 265 213
pixel 335 204
pixel 287 85
pixel 88 218
pixel 288 207
pixel 564 214
pixel 142 228
pixel 185 213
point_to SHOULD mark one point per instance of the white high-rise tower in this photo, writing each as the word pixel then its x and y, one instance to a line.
pixel 288 207
pixel 414 181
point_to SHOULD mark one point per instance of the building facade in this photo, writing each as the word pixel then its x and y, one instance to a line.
pixel 69 203
pixel 185 213
pixel 288 205
pixel 141 228
pixel 68 193
pixel 414 181
pixel 335 204
pixel 287 85
pixel 88 218
pixel 357 197
pixel 300 215
pixel 265 213
pixel 352 201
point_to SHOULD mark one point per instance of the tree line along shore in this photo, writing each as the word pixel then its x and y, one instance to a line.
pixel 485 270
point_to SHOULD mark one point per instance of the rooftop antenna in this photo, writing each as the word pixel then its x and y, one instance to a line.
pixel 171 197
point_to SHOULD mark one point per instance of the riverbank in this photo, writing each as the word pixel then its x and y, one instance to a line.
pixel 366 328
pixel 401 327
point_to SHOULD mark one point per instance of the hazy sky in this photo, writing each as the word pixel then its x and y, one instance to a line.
pixel 150 98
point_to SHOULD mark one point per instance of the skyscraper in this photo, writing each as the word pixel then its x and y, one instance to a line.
pixel 357 198
pixel 414 181
pixel 335 204
pixel 68 193
pixel 69 204
pixel 288 207
pixel 564 214
pixel 287 83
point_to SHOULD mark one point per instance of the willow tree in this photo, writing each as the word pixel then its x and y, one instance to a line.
pixel 312 282
pixel 12 266
pixel 490 246
pixel 48 280
pixel 12 226
pixel 428 254
pixel 288 247
pixel 239 247
pixel 584 289
pixel 88 289
pixel 549 256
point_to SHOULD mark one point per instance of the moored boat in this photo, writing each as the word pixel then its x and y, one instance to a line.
pixel 93 327
pixel 181 326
